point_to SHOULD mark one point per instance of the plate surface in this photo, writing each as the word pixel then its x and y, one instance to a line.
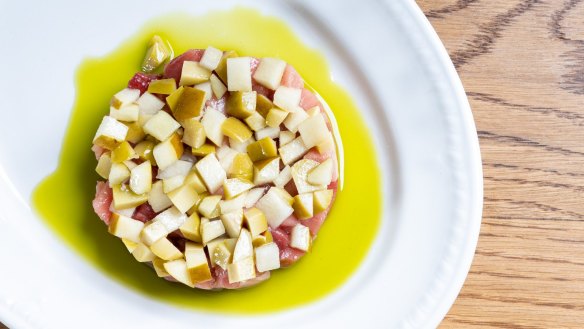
pixel 399 75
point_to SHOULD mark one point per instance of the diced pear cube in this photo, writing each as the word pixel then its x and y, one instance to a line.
pixel 157 199
pixel 135 131
pixel 197 264
pixel 226 156
pixel 211 172
pixel 274 208
pixel 233 128
pixel 287 98
pixel 152 232
pixel 104 165
pixel 189 104
pixel 303 206
pixel 237 203
pixel 300 237
pixel 164 249
pixel 221 69
pixel 123 152
pixel 243 247
pixel 241 104
pixel 211 58
pixel 294 119
pixel 143 254
pixel 300 172
pixel 158 265
pixel 269 72
pixel 212 122
pixel 110 133
pixel 241 168
pixel 118 174
pixel 183 197
pixel 124 97
pixel 256 121
pixel 206 88
pixel 178 168
pixel 322 200
pixel 232 222
pixel 191 228
pixel 209 206
pixel 130 245
pixel 172 183
pixel 158 52
pixel 239 74
pixel 313 131
pixel 262 149
pixel 259 240
pixel 235 186
pixel 172 219
pixel 124 198
pixel 211 230
pixel 266 171
pixel 217 86
pixel 275 117
pixel 141 178
pixel 326 146
pixel 193 73
pixel 269 132
pixel 144 151
pixel 168 152
pixel 284 195
pixel 128 113
pixel 195 181
pixel 253 196
pixel 221 256
pixel 283 177
pixel 321 174
pixel 293 151
pixel 161 126
pixel 173 98
pixel 204 150
pixel 313 111
pixel 162 86
pixel 125 227
pixel 255 221
pixel 267 257
pixel 178 270
pixel 286 137
pixel 263 105
pixel 241 270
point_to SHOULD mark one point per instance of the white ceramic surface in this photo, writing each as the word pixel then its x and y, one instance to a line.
pixel 385 52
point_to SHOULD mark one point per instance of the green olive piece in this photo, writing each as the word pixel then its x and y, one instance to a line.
pixel 221 69
pixel 242 167
pixel 241 104
pixel 204 150
pixel 235 129
pixel 263 105
pixel 263 149
pixel 157 53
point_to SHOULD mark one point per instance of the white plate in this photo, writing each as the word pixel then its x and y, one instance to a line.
pixel 386 53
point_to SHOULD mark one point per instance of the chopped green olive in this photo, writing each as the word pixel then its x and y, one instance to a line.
pixel 263 149
pixel 235 129
pixel 241 104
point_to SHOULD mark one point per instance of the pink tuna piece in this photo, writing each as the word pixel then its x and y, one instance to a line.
pixel 217 104
pixel 289 256
pixel 291 78
pixel 103 200
pixel 142 81
pixel 98 151
pixel 174 68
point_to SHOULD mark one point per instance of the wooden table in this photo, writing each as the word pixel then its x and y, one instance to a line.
pixel 522 65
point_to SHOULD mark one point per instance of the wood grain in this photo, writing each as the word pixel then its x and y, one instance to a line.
pixel 522 66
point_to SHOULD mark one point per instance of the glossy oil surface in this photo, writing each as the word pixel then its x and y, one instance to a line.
pixel 64 198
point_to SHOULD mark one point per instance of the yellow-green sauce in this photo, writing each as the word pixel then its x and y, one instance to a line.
pixel 64 198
